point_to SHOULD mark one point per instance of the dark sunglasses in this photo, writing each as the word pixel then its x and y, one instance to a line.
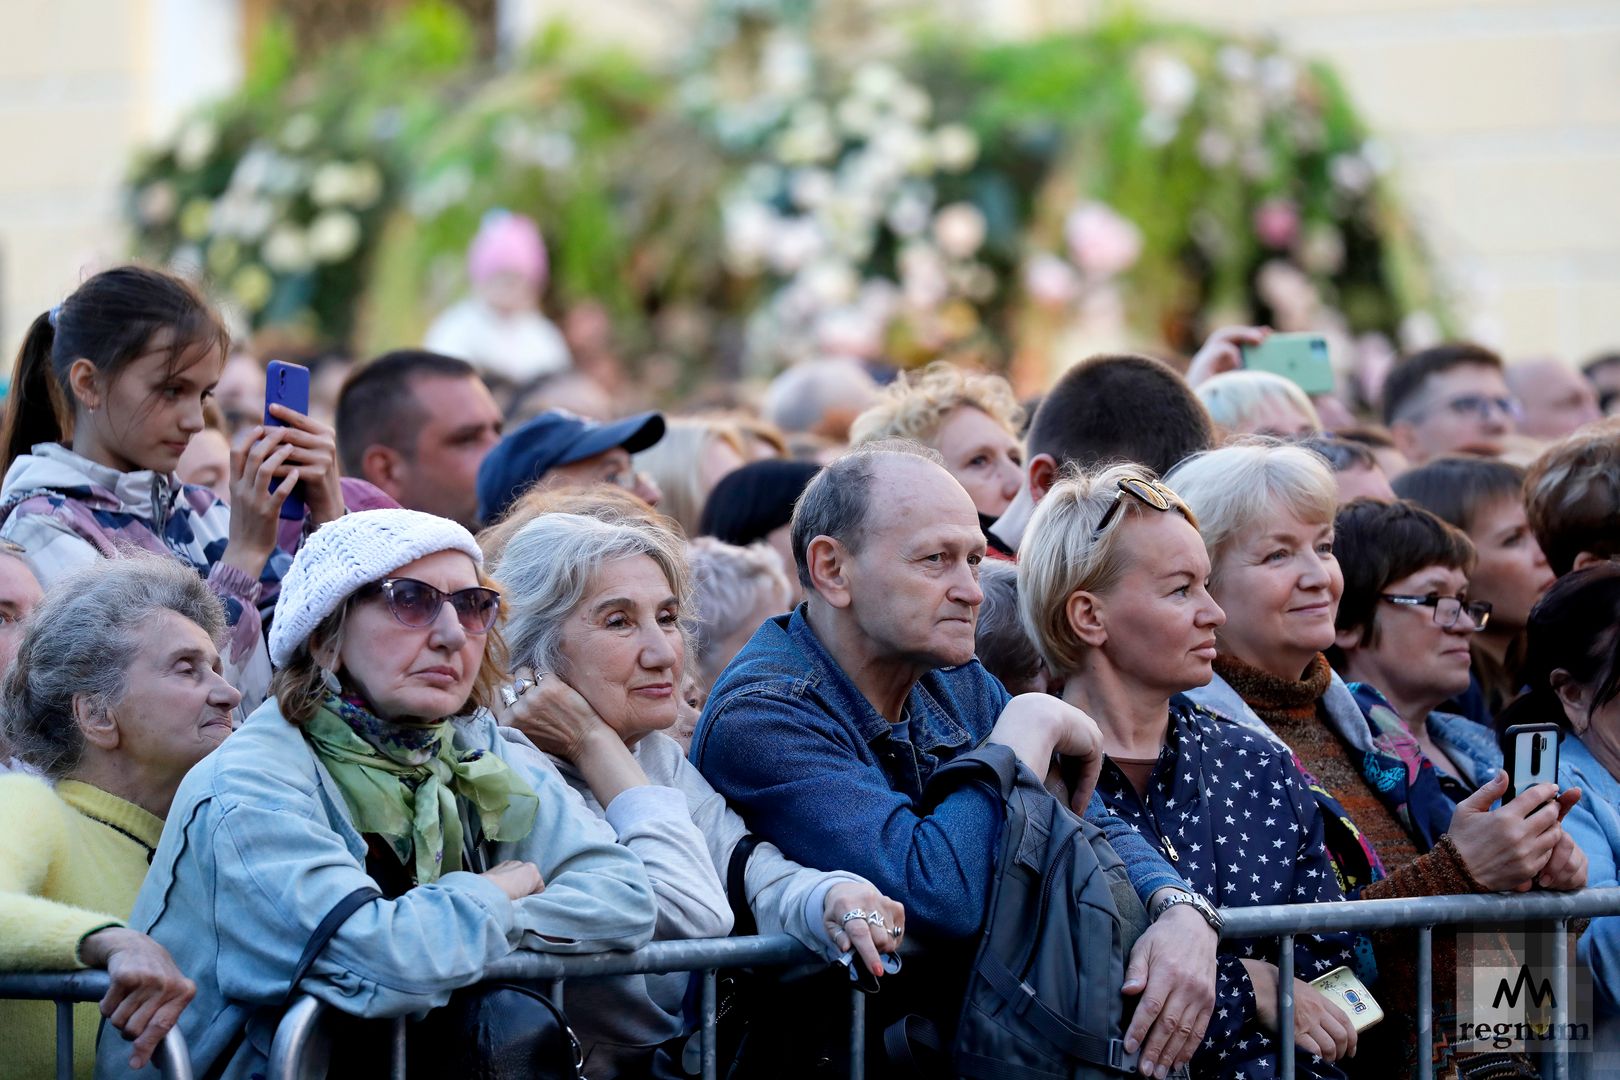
pixel 1143 491
pixel 416 603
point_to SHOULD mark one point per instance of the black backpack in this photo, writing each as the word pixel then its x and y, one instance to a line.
pixel 1043 995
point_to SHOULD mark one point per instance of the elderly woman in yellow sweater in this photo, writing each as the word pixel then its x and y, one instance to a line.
pixel 116 692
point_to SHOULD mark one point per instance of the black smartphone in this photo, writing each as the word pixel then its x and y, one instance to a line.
pixel 287 384
pixel 1530 756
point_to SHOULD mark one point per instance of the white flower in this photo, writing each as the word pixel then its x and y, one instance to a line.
pixel 1350 173
pixel 956 148
pixel 794 243
pixel 808 140
pixel 252 287
pixel 876 81
pixel 1215 148
pixel 857 116
pixel 810 188
pixel 1278 76
pixel 1158 128
pixel 286 250
pixel 748 227
pixel 333 236
pixel 1236 63
pixel 910 103
pixel 299 132
pixel 553 150
pixel 197 140
pixel 156 203
pixel 849 332
pixel 831 282
pixel 922 275
pixel 909 211
pixel 1168 84
pixel 330 184
pixel 905 147
pixel 787 68
pixel 959 230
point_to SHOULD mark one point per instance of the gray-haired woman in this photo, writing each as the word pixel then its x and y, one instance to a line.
pixel 598 611
pixel 115 694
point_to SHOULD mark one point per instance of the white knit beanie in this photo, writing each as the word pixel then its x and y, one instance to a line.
pixel 354 550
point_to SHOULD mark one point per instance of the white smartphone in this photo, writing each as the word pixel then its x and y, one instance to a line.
pixel 1530 756
pixel 1346 991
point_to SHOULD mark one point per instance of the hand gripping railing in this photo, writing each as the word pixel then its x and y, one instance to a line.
pixel 295 1047
pixel 67 987
pixel 1284 921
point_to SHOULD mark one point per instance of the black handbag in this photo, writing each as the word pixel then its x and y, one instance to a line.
pixel 496 1031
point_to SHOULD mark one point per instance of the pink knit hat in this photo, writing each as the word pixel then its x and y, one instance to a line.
pixel 507 243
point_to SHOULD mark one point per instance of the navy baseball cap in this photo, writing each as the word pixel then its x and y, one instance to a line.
pixel 554 438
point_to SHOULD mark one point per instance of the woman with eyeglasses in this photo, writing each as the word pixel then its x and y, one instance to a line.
pixel 374 765
pixel 1112 590
pixel 1266 511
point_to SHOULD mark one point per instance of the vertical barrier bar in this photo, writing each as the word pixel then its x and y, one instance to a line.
pixel 397 1066
pixel 1560 1015
pixel 1285 1006
pixel 64 1040
pixel 557 994
pixel 710 1036
pixel 857 1034
pixel 1425 995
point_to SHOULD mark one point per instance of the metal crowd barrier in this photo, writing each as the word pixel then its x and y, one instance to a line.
pixel 296 1041
pixel 296 1047
pixel 66 988
pixel 1285 921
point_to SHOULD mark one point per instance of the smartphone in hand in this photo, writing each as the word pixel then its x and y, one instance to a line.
pixel 287 384
pixel 1302 359
pixel 1530 756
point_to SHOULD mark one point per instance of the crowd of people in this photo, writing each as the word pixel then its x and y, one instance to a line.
pixel 523 678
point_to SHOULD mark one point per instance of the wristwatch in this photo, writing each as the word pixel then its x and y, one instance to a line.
pixel 1204 908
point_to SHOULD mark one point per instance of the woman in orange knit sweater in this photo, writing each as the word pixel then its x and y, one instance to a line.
pixel 115 694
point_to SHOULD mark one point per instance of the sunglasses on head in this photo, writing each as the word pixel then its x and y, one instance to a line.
pixel 417 604
pixel 1144 491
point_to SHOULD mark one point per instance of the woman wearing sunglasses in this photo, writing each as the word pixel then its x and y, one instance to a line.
pixel 1112 589
pixel 373 765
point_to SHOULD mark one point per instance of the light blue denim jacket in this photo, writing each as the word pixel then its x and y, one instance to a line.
pixel 1594 825
pixel 258 846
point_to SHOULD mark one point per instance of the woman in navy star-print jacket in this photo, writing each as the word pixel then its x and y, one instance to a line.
pixel 1112 589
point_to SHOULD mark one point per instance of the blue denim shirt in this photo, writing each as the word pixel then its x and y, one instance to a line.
pixel 793 745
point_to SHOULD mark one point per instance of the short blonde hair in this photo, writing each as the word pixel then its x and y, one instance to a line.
pixel 1233 396
pixel 1572 496
pixel 1062 553
pixel 914 407
pixel 606 501
pixel 675 463
pixel 1240 485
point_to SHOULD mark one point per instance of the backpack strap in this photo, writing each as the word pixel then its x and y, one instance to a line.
pixel 318 938
pixel 1092 1049
pixel 742 916
pixel 990 763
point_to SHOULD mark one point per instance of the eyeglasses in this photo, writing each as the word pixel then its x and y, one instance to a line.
pixel 1480 406
pixel 1144 491
pixel 416 603
pixel 1448 610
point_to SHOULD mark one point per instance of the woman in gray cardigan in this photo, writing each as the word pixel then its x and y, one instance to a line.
pixel 598 611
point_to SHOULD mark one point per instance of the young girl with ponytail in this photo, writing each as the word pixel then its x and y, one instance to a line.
pixel 107 392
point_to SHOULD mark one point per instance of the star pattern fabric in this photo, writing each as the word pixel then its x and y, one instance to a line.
pixel 1235 817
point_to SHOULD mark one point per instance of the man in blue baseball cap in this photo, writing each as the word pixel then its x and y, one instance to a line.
pixel 559 449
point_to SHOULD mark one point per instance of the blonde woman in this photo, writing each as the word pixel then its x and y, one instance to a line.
pixel 1258 403
pixel 695 454
pixel 971 418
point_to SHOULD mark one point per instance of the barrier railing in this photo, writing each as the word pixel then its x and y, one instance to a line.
pixel 68 987
pixel 296 1046
pixel 296 1041
pixel 1424 913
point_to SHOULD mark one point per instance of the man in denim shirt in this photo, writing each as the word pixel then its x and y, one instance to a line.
pixel 826 727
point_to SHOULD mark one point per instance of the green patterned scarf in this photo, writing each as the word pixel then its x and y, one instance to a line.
pixel 402 782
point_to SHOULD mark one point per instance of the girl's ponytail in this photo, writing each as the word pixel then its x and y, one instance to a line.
pixel 34 405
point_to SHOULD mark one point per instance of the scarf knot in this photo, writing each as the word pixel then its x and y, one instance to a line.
pixel 402 782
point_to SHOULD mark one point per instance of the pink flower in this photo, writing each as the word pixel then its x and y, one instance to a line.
pixel 1101 242
pixel 1276 223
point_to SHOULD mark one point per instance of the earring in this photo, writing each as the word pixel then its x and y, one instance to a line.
pixel 329 680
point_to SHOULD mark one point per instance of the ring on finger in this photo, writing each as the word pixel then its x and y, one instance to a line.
pixel 875 918
pixel 896 932
pixel 854 913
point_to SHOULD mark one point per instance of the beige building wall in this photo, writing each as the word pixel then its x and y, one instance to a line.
pixel 1504 117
